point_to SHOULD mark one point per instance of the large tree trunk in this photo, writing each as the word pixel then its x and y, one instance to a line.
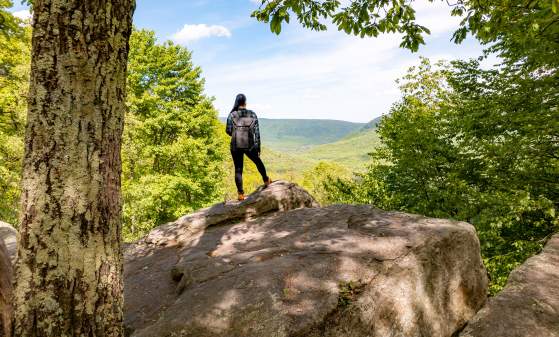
pixel 69 268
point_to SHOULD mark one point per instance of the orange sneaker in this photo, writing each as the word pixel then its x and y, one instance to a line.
pixel 268 182
pixel 241 197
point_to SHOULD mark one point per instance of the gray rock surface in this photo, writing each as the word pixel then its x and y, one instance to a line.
pixel 280 196
pixel 8 234
pixel 5 291
pixel 247 270
pixel 529 304
pixel 8 249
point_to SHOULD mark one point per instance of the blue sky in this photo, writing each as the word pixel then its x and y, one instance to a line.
pixel 300 73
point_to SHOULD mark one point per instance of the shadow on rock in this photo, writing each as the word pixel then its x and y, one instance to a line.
pixel 277 265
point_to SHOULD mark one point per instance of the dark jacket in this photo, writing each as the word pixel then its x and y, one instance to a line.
pixel 243 113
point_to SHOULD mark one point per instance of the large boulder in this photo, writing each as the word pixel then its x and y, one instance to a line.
pixel 8 248
pixel 529 304
pixel 8 235
pixel 243 270
pixel 5 291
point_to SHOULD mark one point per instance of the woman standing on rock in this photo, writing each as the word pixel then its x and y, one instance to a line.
pixel 242 126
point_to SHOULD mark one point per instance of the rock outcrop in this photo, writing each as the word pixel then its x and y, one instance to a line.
pixel 5 291
pixel 280 196
pixel 247 270
pixel 8 235
pixel 529 304
pixel 8 247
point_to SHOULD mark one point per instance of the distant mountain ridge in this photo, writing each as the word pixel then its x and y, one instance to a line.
pixel 373 124
pixel 293 135
pixel 299 144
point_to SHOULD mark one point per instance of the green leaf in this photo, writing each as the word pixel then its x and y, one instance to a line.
pixel 275 25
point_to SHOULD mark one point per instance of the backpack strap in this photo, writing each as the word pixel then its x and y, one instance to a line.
pixel 235 117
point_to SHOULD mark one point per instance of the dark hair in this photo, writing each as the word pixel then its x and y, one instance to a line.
pixel 240 100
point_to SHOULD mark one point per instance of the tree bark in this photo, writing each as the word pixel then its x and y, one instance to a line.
pixel 69 267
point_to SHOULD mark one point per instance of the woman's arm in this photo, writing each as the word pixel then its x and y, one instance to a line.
pixel 229 125
pixel 257 134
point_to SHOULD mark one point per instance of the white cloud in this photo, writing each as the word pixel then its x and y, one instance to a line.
pixel 190 33
pixel 22 14
pixel 304 74
pixel 436 17
pixel 350 79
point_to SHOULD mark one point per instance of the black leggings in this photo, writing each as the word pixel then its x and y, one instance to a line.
pixel 238 156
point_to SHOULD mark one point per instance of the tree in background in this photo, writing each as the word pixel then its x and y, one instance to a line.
pixel 173 148
pixel 523 32
pixel 473 145
pixel 14 82
pixel 483 146
pixel 314 178
pixel 69 267
pixel 508 126
pixel 9 24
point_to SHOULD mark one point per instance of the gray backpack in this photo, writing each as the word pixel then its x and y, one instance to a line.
pixel 243 131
